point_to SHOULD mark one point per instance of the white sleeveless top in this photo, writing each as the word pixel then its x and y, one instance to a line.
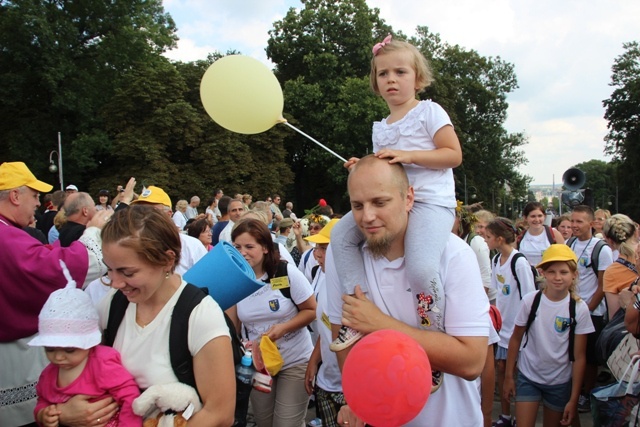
pixel 533 246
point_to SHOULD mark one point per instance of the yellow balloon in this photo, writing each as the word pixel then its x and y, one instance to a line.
pixel 242 95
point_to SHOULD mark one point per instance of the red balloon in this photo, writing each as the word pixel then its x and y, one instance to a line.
pixel 386 378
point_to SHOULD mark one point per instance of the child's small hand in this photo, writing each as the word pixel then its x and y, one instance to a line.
pixel 50 416
pixel 569 413
pixel 276 332
pixel 509 389
pixel 359 313
pixel 351 162
pixel 348 418
pixel 309 377
pixel 395 156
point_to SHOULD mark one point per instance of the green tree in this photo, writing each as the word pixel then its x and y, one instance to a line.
pixel 322 54
pixel 60 61
pixel 622 111
pixel 160 135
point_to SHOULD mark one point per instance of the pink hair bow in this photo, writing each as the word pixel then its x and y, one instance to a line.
pixel 383 43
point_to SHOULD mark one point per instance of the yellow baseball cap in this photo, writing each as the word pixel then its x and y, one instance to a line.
pixel 17 174
pixel 156 195
pixel 557 252
pixel 324 235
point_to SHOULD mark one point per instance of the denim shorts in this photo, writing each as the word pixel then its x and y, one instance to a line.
pixel 501 353
pixel 554 397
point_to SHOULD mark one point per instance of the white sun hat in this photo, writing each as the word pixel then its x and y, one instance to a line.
pixel 68 318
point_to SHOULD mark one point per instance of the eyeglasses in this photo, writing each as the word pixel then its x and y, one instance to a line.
pixel 268 200
pixel 315 227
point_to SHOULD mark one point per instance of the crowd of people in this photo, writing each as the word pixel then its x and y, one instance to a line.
pixel 99 284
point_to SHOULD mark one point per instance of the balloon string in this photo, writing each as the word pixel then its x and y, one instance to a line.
pixel 317 142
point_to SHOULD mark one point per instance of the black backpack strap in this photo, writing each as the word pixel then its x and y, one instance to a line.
pixel 117 310
pixel 595 255
pixel 495 259
pixel 181 359
pixel 572 327
pixel 570 241
pixel 314 271
pixel 236 341
pixel 550 237
pixel 514 259
pixel 532 316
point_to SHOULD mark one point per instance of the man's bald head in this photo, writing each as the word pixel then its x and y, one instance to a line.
pixel 79 207
pixel 372 164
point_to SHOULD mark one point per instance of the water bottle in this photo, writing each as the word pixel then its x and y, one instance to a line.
pixel 244 375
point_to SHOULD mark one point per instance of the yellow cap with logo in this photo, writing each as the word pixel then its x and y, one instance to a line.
pixel 17 174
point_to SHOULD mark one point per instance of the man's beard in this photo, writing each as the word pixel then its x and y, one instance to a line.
pixel 379 246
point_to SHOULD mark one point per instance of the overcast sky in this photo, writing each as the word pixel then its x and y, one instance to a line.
pixel 562 52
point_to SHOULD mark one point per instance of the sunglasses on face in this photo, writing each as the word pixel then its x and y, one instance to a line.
pixel 315 228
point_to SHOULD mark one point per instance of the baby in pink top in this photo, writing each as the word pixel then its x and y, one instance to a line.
pixel 68 331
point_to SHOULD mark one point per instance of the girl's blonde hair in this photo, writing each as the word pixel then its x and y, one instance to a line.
pixel 573 288
pixel 621 230
pixel 485 216
pixel 605 212
pixel 182 204
pixel 422 68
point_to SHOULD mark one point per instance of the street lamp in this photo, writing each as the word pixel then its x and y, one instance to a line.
pixel 473 192
pixel 53 168
pixel 610 203
pixel 473 195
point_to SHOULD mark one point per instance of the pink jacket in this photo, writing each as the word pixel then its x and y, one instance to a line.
pixel 102 376
pixel 29 272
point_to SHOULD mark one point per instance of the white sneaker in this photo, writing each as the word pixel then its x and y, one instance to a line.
pixel 346 337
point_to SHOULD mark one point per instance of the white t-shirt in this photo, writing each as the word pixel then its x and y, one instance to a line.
pixel 225 234
pixel 317 284
pixel 329 376
pixel 191 212
pixel 466 313
pixel 481 250
pixel 267 307
pixel 587 279
pixel 191 252
pixel 179 219
pixel 508 298
pixel 307 262
pixel 145 351
pixel 545 359
pixel 212 213
pixel 415 131
pixel 533 246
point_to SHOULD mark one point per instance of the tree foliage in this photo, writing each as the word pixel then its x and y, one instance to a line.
pixel 622 112
pixel 322 54
pixel 60 61
pixel 93 70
